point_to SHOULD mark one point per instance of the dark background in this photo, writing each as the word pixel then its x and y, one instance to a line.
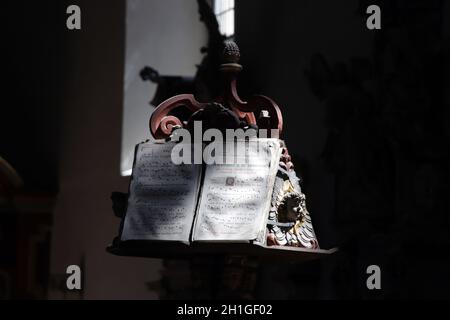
pixel 366 121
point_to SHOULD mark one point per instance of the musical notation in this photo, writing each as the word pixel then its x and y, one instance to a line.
pixel 162 196
pixel 234 199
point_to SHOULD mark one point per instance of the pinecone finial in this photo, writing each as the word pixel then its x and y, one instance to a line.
pixel 231 53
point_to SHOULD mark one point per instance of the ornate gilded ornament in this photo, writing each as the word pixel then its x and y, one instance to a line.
pixel 289 220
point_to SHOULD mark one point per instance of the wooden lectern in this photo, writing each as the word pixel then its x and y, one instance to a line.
pixel 258 111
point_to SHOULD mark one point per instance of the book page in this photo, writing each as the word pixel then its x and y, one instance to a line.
pixel 163 196
pixel 235 198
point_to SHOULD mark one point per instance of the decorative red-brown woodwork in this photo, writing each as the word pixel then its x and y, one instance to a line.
pixel 258 110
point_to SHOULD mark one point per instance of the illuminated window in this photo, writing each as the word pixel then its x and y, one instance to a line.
pixel 224 11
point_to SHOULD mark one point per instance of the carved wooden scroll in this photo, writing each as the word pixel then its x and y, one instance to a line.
pixel 258 110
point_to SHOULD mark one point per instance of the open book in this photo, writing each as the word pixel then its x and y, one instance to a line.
pixel 201 202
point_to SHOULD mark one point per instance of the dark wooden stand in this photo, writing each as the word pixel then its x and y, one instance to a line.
pixel 216 270
pixel 170 250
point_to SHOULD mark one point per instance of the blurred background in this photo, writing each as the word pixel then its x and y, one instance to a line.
pixel 366 121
